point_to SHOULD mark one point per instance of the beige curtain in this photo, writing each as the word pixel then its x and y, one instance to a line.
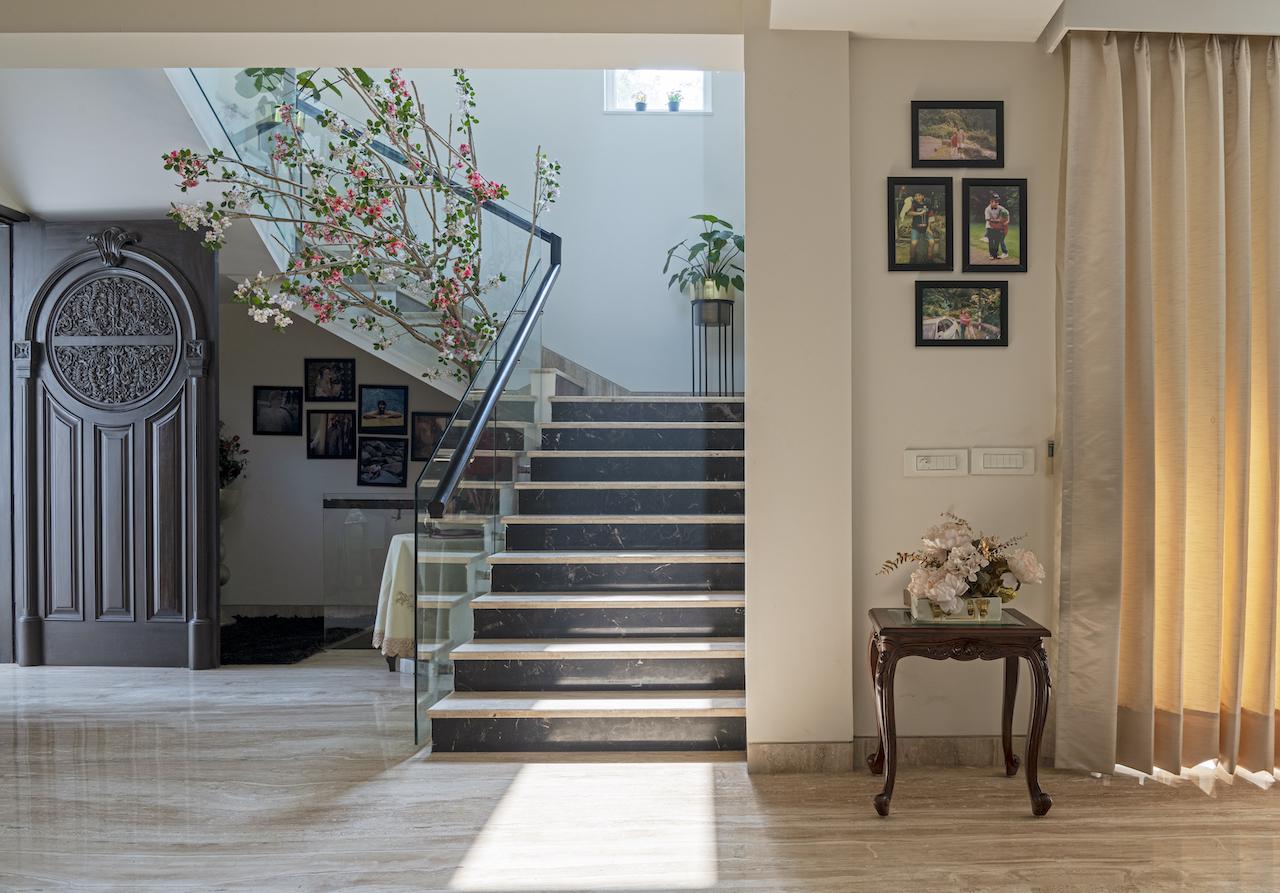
pixel 1169 355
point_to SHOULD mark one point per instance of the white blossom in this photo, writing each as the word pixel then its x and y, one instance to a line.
pixel 1025 566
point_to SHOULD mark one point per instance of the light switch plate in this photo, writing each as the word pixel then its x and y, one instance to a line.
pixel 935 463
pixel 1002 460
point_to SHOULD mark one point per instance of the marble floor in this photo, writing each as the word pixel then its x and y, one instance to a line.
pixel 304 778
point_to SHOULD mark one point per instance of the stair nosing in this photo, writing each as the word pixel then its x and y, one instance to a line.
pixel 586 705
pixel 622 648
pixel 624 519
pixel 636 454
pixel 615 556
pixel 541 601
pixel 646 398
pixel 631 424
pixel 630 485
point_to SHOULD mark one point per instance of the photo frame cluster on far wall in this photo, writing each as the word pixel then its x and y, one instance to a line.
pixel 957 133
pixel 331 434
pixel 329 381
pixel 383 462
pixel 428 428
pixel 962 313
pixel 277 411
pixel 384 409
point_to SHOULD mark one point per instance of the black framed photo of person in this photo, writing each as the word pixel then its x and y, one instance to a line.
pixel 329 381
pixel 331 434
pixel 962 313
pixel 920 221
pixel 960 133
pixel 277 411
pixel 383 462
pixel 384 409
pixel 428 428
pixel 995 225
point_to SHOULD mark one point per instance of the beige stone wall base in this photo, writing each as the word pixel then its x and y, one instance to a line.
pixel 971 751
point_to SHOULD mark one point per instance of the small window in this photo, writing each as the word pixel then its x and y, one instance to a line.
pixel 625 87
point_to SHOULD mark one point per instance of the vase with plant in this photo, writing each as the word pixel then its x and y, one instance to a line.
pixel 232 462
pixel 962 575
pixel 709 266
pixel 673 100
pixel 641 100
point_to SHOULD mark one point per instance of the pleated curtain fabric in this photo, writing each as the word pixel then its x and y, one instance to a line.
pixel 1169 377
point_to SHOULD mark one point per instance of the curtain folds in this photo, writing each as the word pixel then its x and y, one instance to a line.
pixel 1169 410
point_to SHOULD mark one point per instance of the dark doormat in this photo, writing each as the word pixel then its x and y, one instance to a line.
pixel 276 640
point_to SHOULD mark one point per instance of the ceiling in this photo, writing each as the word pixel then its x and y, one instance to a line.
pixel 1011 20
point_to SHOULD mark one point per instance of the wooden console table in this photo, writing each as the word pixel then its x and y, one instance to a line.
pixel 894 636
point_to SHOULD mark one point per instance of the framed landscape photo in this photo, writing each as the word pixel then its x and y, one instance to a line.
pixel 277 411
pixel 383 462
pixel 959 133
pixel 920 221
pixel 962 314
pixel 384 409
pixel 428 428
pixel 331 434
pixel 329 381
pixel 996 225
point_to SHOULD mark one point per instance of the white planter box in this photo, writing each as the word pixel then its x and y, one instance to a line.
pixel 979 610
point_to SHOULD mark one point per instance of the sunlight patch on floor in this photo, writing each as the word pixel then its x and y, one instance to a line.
pixel 598 826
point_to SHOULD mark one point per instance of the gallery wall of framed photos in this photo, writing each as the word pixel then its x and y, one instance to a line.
pixel 988 226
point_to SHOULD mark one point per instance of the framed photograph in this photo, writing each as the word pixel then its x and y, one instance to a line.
pixel 384 409
pixel 331 434
pixel 277 410
pixel 920 216
pixel 428 428
pixel 330 381
pixel 996 231
pixel 383 462
pixel 957 134
pixel 962 314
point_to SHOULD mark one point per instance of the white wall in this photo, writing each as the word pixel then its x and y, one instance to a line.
pixel 273 541
pixel 904 396
pixel 630 183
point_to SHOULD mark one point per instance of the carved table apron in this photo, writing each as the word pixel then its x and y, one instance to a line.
pixel 895 636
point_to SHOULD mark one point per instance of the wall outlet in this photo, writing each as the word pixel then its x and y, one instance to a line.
pixel 935 463
pixel 1002 460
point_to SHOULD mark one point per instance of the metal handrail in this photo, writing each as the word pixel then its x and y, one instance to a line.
pixel 476 424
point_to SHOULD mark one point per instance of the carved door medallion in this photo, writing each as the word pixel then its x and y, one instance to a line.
pixel 114 417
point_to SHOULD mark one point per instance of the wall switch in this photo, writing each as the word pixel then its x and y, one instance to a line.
pixel 1002 460
pixel 935 463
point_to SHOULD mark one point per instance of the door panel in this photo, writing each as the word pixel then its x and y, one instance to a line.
pixel 114 421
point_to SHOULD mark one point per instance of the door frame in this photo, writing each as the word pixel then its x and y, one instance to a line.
pixel 8 217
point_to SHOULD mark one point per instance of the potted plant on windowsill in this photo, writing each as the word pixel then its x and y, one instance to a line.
pixel 673 100
pixel 708 268
pixel 641 100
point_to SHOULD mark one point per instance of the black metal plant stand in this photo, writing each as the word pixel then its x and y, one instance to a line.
pixel 712 314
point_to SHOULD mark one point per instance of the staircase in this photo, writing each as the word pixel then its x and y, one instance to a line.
pixel 614 619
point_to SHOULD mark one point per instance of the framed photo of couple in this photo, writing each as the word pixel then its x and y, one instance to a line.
pixel 957 133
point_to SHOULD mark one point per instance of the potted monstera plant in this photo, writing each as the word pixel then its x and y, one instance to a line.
pixel 708 267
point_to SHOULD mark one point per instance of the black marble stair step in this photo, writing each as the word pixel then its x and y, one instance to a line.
pixel 643 436
pixel 581 721
pixel 636 465
pixel 630 497
pixel 565 615
pixel 619 532
pixel 709 664
pixel 545 571
pixel 510 408
pixel 648 408
pixel 501 436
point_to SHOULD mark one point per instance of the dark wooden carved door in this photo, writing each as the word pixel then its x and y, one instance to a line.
pixel 114 448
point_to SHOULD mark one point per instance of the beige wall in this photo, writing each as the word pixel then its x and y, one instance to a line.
pixel 799 523
pixel 904 396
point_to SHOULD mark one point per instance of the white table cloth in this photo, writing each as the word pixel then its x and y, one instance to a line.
pixel 393 631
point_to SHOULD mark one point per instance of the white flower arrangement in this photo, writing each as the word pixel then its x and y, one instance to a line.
pixel 957 564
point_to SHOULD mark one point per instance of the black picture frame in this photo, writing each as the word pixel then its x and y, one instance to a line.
pixel 272 418
pixel 420 446
pixel 339 387
pixel 974 188
pixel 330 443
pixel 995 106
pixel 382 462
pixel 395 408
pixel 899 189
pixel 924 286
